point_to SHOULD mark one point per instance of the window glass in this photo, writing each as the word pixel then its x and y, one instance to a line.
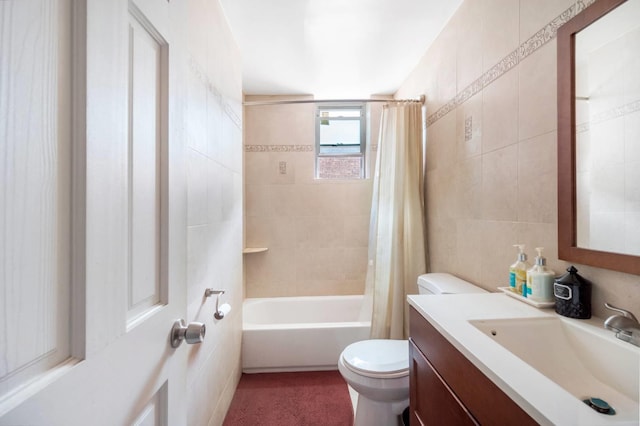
pixel 340 141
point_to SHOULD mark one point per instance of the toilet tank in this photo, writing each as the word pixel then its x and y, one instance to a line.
pixel 443 283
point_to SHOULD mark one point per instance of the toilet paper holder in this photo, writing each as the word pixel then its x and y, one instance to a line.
pixel 219 313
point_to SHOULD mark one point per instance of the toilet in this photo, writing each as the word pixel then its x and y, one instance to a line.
pixel 378 369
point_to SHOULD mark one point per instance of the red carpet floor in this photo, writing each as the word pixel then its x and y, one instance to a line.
pixel 315 398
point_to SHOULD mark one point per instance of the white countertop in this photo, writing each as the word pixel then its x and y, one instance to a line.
pixel 541 398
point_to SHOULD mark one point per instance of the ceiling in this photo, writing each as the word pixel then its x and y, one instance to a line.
pixel 333 48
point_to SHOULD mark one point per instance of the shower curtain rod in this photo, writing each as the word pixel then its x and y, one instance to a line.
pixel 325 101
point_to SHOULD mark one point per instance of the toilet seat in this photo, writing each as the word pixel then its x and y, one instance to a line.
pixel 378 358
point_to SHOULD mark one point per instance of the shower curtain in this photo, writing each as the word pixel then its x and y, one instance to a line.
pixel 397 238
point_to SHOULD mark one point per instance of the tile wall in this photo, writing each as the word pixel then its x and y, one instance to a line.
pixel 490 83
pixel 213 126
pixel 316 231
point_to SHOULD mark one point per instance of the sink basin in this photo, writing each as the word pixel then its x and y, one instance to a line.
pixel 582 358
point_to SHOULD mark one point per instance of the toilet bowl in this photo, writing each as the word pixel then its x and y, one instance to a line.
pixel 378 369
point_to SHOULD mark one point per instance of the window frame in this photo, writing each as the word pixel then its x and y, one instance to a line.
pixel 362 106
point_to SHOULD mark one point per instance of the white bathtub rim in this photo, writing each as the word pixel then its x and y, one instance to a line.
pixel 305 326
pixel 316 310
pixel 302 298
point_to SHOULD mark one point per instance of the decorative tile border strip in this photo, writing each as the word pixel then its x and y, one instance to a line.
pixel 231 113
pixel 204 79
pixel 616 112
pixel 279 148
pixel 583 127
pixel 535 42
pixel 288 148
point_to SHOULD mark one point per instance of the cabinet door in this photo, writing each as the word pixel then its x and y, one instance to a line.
pixel 432 401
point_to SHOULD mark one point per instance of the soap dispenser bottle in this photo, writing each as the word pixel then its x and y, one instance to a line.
pixel 518 272
pixel 540 280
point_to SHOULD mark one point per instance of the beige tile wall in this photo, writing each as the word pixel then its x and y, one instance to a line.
pixel 212 120
pixel 316 230
pixel 494 66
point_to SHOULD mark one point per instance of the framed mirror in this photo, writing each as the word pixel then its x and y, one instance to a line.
pixel 599 136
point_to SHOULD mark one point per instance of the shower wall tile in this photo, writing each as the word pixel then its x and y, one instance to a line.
pixel 441 185
pixel 256 167
pixel 258 201
pixel 275 265
pixel 257 231
pixel 327 199
pixel 537 107
pixel 537 181
pixel 536 14
pixel 332 287
pixel 280 125
pixel 215 187
pixel 358 195
pixel 469 52
pixel 304 162
pixel 500 30
pixel 196 110
pixel 545 235
pixel 500 113
pixel 501 188
pixel 319 232
pixel 355 264
pixel 282 168
pixel 498 237
pixel 230 147
pixel 446 47
pixel 215 115
pixel 469 124
pixel 197 188
pixel 287 200
pixel 500 184
pixel 281 232
pixel 209 114
pixel 316 231
pixel 468 188
pixel 441 143
pixel 198 240
pixel 356 231
pixel 311 264
pixel 469 246
pixel 442 237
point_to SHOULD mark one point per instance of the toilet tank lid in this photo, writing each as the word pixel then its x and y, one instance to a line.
pixel 443 283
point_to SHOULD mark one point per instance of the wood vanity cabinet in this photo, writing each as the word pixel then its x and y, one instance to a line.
pixel 446 389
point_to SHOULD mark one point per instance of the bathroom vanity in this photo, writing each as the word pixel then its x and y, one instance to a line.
pixel 491 359
pixel 447 389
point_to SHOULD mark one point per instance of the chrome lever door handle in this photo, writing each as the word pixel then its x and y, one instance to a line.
pixel 192 333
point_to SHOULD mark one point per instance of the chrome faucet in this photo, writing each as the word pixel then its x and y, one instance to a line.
pixel 625 325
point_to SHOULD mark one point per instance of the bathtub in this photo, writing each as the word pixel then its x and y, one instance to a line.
pixel 299 333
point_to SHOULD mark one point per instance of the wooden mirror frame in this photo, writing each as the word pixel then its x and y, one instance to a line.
pixel 567 224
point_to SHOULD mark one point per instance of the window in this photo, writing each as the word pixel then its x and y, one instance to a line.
pixel 340 141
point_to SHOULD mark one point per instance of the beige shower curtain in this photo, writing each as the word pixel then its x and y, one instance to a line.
pixel 397 248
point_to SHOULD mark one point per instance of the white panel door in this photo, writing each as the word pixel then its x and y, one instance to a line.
pixel 94 216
